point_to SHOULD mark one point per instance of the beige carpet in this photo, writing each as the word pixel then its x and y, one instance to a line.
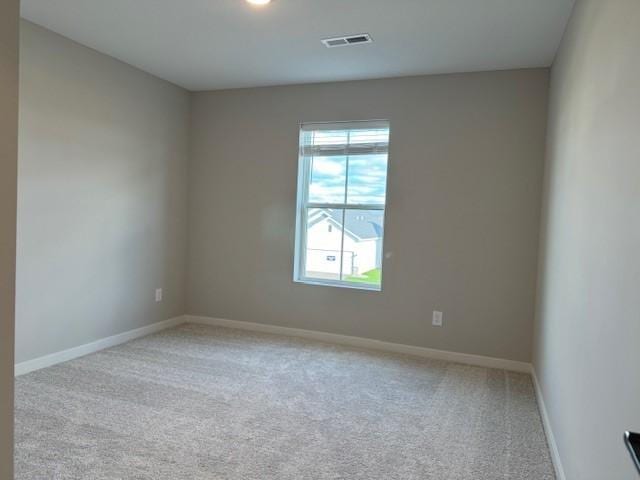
pixel 209 403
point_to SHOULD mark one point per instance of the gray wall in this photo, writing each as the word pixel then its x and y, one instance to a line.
pixel 8 159
pixel 466 163
pixel 102 196
pixel 588 329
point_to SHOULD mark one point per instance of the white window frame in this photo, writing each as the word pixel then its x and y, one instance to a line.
pixel 303 204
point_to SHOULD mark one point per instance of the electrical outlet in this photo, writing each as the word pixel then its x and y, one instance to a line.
pixel 158 294
pixel 437 319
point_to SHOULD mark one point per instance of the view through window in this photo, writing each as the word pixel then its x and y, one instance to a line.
pixel 341 203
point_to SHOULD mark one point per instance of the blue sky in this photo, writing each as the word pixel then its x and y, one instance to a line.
pixel 366 183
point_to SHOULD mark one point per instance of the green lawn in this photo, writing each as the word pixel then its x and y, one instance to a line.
pixel 372 277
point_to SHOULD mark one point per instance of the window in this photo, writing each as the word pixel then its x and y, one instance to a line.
pixel 342 182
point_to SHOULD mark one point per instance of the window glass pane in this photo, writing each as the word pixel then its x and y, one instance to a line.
pixel 324 243
pixel 362 250
pixel 367 180
pixel 327 179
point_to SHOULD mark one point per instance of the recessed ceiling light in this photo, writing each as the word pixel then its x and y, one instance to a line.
pixel 259 2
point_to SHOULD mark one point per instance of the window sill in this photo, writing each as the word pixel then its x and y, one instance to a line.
pixel 336 284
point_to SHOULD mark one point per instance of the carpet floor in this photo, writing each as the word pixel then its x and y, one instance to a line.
pixel 208 403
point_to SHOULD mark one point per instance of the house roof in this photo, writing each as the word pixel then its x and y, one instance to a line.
pixel 361 224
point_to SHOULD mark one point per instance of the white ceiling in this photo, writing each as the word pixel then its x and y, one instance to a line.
pixel 213 44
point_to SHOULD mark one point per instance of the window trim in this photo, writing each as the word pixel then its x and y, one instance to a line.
pixel 302 204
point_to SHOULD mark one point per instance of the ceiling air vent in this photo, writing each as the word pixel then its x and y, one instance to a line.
pixel 345 41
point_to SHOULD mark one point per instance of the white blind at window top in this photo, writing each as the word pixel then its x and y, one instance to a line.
pixel 337 139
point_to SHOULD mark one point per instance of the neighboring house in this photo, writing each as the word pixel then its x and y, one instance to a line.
pixel 362 242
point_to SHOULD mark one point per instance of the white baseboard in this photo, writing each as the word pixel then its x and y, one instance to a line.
pixel 546 423
pixel 82 350
pixel 360 342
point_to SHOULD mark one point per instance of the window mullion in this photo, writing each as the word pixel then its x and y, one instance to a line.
pixel 345 206
pixel 344 211
pixel 342 246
